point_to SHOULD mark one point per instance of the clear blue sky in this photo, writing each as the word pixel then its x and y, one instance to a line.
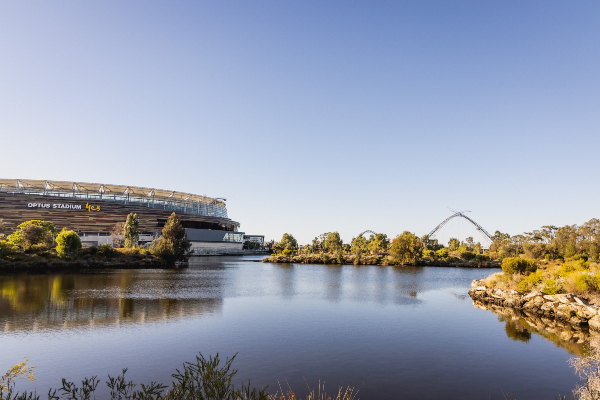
pixel 314 116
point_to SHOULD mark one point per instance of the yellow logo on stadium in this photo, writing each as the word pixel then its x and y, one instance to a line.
pixel 92 208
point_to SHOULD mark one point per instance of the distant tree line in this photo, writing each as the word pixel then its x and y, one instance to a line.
pixel 549 242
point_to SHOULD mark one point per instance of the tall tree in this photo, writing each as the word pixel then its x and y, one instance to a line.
pixel 406 248
pixel 333 243
pixel 173 244
pixel 288 242
pixel 131 234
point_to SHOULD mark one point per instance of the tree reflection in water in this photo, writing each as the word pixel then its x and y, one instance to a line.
pixel 521 325
pixel 70 301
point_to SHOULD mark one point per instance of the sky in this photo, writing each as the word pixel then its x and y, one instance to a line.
pixel 312 116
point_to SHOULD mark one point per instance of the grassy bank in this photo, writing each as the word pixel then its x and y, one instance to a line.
pixel 89 257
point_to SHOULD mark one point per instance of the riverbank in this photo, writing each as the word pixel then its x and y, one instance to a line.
pixel 379 259
pixel 88 259
pixel 565 308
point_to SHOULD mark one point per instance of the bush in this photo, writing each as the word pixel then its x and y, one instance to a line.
pixel 517 265
pixel 429 253
pixel 551 287
pixel 467 255
pixel 68 244
pixel 530 282
pixel 442 253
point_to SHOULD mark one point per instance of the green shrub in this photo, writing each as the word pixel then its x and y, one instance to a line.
pixel 530 282
pixel 287 252
pixel 517 265
pixel 442 253
pixel 467 255
pixel 68 244
pixel 429 253
pixel 325 258
pixel 551 287
pixel 16 238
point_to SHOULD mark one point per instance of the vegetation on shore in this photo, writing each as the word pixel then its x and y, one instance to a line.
pixel 551 260
pixel 406 249
pixel 550 244
pixel 203 379
pixel 37 244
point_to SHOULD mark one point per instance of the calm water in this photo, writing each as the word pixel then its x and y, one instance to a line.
pixel 390 332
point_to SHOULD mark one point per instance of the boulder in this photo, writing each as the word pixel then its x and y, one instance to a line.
pixel 477 283
pixel 532 294
pixel 581 301
pixel 594 323
pixel 563 311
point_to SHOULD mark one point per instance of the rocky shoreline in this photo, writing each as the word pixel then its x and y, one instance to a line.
pixel 562 308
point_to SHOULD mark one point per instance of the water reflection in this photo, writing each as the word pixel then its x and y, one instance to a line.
pixel 520 326
pixel 39 302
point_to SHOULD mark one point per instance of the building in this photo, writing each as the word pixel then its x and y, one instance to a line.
pixel 93 210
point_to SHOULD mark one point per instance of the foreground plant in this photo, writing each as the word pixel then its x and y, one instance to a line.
pixel 204 379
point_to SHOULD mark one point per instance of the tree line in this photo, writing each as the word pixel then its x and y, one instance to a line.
pixel 549 242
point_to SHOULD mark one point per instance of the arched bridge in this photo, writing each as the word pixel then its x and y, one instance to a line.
pixel 486 236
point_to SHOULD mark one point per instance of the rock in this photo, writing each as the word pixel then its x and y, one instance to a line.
pixel 478 288
pixel 563 311
pixel 594 323
pixel 576 321
pixel 565 298
pixel 583 311
pixel 538 301
pixel 550 297
pixel 548 308
pixel 477 283
pixel 529 305
pixel 581 301
pixel 532 294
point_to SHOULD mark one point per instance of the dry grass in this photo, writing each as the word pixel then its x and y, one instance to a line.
pixel 319 394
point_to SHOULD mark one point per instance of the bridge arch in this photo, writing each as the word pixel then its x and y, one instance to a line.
pixel 486 236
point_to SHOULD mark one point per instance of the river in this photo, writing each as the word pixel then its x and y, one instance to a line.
pixel 389 332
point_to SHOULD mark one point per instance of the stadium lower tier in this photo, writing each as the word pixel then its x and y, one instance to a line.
pixel 94 221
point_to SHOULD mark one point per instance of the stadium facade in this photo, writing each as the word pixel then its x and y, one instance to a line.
pixel 93 210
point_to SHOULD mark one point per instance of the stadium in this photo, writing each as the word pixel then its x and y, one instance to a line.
pixel 93 210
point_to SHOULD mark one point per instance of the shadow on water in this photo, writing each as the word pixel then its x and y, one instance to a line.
pixel 520 326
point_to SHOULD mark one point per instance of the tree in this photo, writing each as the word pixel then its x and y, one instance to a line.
pixel 32 235
pixel 406 248
pixel 470 242
pixel 453 244
pixel 333 242
pixel 431 244
pixel 359 245
pixel 379 242
pixel 68 244
pixel 288 242
pixel 477 248
pixel 131 235
pixel 173 244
